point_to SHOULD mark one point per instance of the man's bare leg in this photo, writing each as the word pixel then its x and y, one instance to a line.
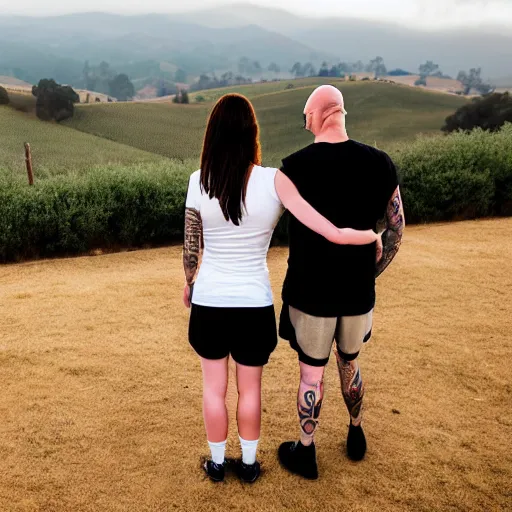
pixel 352 389
pixel 300 457
pixel 309 401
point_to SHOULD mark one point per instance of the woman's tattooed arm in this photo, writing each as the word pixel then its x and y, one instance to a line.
pixel 393 224
pixel 193 244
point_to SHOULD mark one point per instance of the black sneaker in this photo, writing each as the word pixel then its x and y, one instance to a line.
pixel 356 443
pixel 299 459
pixel 214 471
pixel 248 473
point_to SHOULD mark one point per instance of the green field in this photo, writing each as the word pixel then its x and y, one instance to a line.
pixel 380 114
pixel 57 149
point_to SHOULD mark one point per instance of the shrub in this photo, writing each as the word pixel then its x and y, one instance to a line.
pixel 109 207
pixel 4 97
pixel 489 113
pixel 54 101
pixel 454 177
pixel 462 176
pixel 200 99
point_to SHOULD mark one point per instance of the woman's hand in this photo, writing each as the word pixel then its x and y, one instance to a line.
pixel 186 296
pixel 349 236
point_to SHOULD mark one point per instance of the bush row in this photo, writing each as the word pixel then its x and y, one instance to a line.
pixel 456 177
pixel 460 176
pixel 110 207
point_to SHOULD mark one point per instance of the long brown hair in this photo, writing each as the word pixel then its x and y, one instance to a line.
pixel 230 150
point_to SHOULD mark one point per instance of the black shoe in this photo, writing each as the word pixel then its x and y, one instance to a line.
pixel 356 443
pixel 248 473
pixel 299 459
pixel 214 471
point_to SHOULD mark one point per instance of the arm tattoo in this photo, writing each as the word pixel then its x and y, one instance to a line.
pixel 393 231
pixel 352 387
pixel 193 243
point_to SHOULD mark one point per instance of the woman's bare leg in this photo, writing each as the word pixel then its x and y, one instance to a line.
pixel 215 385
pixel 249 401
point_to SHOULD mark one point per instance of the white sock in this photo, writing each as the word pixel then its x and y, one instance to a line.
pixel 249 449
pixel 218 451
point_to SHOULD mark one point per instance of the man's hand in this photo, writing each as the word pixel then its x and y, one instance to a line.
pixel 186 296
pixel 380 249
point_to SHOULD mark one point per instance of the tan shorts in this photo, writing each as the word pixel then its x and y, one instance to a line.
pixel 314 336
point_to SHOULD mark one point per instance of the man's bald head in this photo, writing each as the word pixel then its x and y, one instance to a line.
pixel 324 109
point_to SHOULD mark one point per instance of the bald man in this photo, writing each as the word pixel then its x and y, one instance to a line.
pixel 329 290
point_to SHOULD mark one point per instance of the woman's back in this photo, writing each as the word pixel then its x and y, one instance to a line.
pixel 234 271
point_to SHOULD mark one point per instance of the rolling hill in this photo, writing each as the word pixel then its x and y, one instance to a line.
pixel 57 149
pixel 379 113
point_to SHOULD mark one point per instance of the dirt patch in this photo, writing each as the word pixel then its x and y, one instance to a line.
pixel 101 395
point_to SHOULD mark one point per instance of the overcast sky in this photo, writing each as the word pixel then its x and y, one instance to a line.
pixel 426 13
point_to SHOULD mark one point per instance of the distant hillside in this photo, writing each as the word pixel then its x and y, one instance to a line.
pixel 58 46
pixel 379 113
pixel 354 39
pixel 214 41
pixel 14 82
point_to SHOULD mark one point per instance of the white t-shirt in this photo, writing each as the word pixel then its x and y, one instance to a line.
pixel 234 270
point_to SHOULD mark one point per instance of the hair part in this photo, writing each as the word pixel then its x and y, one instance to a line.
pixel 231 149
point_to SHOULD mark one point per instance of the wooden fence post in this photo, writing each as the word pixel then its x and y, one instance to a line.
pixel 28 161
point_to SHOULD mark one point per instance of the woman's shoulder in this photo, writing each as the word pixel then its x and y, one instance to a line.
pixel 268 172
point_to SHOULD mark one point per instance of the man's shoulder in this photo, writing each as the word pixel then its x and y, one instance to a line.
pixel 298 156
pixel 371 151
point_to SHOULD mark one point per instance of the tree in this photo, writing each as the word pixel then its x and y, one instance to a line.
pixel 181 98
pixel 377 66
pixel 489 113
pixel 4 97
pixel 358 66
pixel 297 70
pixel 473 80
pixel 324 69
pixel 121 88
pixel 274 68
pixel 256 68
pixel 54 101
pixel 180 76
pixel 308 69
pixel 399 72
pixel 428 69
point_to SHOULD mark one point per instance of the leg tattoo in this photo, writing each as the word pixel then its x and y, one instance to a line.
pixel 352 388
pixel 309 404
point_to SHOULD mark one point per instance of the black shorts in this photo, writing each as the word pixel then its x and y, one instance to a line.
pixel 248 334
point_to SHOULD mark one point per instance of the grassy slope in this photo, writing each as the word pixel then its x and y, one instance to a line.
pixel 57 148
pixel 379 113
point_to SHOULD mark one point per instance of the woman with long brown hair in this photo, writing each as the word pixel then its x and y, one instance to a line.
pixel 233 205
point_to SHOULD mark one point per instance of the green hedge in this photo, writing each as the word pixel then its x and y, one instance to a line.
pixel 108 208
pixel 460 176
pixel 455 177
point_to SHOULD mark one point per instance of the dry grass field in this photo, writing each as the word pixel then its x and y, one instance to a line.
pixel 101 395
pixel 433 83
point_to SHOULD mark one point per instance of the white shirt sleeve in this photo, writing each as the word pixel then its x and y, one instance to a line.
pixel 194 192
pixel 272 183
